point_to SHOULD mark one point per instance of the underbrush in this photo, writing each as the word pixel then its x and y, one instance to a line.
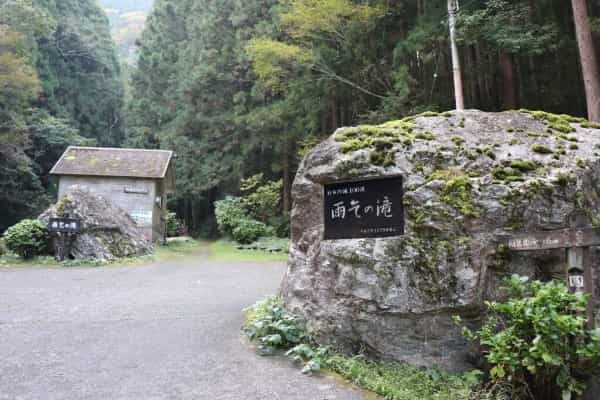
pixel 225 250
pixel 12 260
pixel 268 244
pixel 278 331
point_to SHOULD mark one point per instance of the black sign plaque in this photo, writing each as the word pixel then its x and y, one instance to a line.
pixel 64 225
pixel 364 209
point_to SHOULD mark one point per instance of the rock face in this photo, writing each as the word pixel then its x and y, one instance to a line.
pixel 108 232
pixel 471 180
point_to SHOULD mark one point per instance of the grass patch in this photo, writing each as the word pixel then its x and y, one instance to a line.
pixel 11 261
pixel 401 382
pixel 162 253
pixel 224 250
pixel 179 250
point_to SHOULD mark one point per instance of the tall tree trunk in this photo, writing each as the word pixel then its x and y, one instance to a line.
pixel 480 65
pixel 534 93
pixel 287 181
pixel 458 85
pixel 473 84
pixel 509 94
pixel 333 110
pixel 587 54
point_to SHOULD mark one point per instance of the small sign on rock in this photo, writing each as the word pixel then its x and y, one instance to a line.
pixel 64 225
pixel 364 209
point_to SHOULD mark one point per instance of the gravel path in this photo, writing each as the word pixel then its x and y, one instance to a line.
pixel 168 331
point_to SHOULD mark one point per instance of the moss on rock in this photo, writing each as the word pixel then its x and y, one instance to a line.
pixel 541 149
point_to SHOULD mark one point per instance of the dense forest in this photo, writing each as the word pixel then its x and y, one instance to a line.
pixel 238 87
pixel 60 85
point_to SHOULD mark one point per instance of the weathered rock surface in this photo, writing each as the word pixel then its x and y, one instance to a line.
pixel 471 180
pixel 108 232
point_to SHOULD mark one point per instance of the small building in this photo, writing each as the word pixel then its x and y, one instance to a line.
pixel 136 180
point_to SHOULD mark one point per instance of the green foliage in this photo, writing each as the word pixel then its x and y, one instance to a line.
pixel 457 140
pixel 234 217
pixel 18 78
pixel 262 200
pixel 524 166
pixel 257 214
pixel 81 72
pixel 311 358
pixel 272 326
pixel 270 56
pixel 541 149
pixel 402 382
pixel 228 213
pixel 307 144
pixel 175 226
pixel 537 340
pixel 59 86
pixel 28 238
pixel 289 71
pixel 276 329
pixel 248 230
pixel 224 250
pixel 457 193
pixel 268 244
pixel 561 123
pixel 380 139
pixel 508 26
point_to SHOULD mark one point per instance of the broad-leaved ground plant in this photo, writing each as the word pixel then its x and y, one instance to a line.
pixel 536 342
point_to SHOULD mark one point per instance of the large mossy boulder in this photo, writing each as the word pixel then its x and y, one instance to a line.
pixel 108 232
pixel 471 180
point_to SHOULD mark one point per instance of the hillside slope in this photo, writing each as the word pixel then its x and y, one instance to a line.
pixel 127 19
pixel 60 85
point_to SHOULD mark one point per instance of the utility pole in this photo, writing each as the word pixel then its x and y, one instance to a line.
pixel 458 85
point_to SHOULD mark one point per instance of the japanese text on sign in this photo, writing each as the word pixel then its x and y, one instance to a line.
pixel 64 225
pixel 364 209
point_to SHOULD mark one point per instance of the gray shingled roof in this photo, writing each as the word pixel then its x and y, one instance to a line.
pixel 104 161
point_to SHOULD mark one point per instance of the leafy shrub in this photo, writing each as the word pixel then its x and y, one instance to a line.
pixel 175 226
pixel 248 231
pixel 257 214
pixel 229 212
pixel 234 221
pixel 312 358
pixel 272 326
pixel 27 239
pixel 262 200
pixel 536 341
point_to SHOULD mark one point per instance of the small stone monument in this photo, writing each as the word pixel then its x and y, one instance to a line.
pixel 105 231
pixel 397 228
